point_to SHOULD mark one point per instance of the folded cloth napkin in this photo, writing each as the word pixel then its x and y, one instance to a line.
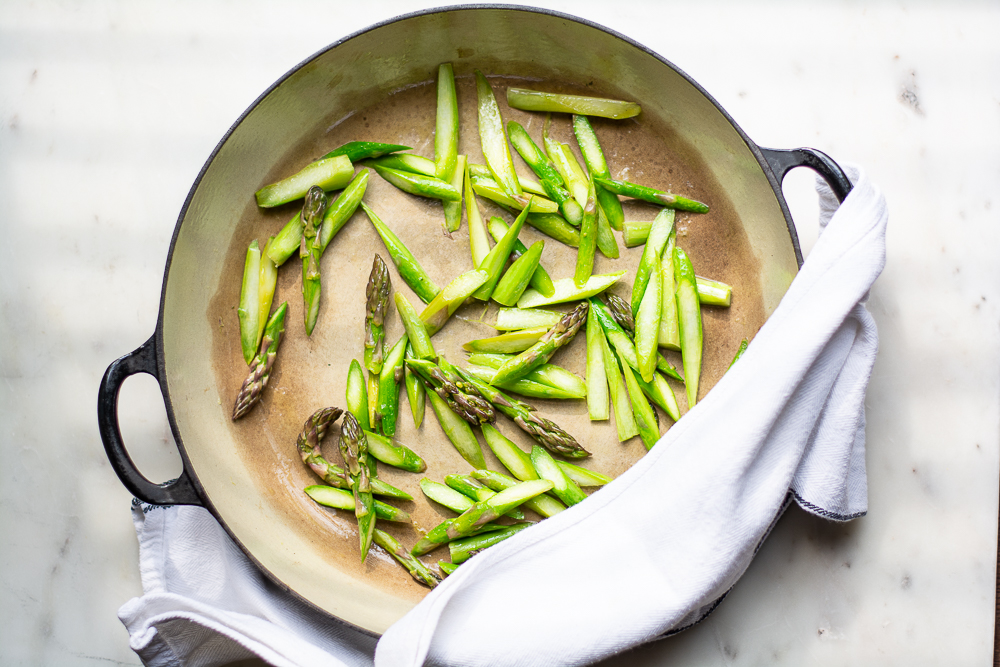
pixel 787 421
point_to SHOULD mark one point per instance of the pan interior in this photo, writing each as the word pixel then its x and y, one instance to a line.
pixel 379 86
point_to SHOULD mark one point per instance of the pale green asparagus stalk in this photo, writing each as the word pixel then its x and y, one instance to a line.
pixel 420 572
pixel 354 449
pixel 689 318
pixel 260 367
pixel 597 376
pixel 559 335
pixel 249 309
pixel 493 140
pixel 377 304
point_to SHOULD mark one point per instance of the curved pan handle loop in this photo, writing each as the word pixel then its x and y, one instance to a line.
pixel 783 160
pixel 180 491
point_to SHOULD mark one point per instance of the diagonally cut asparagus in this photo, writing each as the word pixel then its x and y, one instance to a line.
pixel 540 279
pixel 496 259
pixel 545 505
pixel 418 184
pixel 550 179
pixel 446 124
pixel 493 139
pixel 330 174
pixel 465 548
pixel 448 300
pixel 354 450
pixel 516 279
pixel 364 150
pixel 419 571
pixel 249 309
pixel 260 367
pixel 463 399
pixel 342 499
pixel 534 100
pixel 409 268
pixel 376 305
pixel 586 138
pixel 652 195
pixel 559 335
pixel 689 319
pixel 566 290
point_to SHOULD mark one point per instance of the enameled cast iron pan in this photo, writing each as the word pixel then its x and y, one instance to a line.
pixel 378 85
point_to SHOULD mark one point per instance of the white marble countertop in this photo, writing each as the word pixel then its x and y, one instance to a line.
pixel 109 109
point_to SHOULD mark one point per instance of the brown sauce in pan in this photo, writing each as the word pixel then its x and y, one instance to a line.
pixel 310 372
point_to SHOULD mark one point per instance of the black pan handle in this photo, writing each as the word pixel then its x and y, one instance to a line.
pixel 783 160
pixel 180 491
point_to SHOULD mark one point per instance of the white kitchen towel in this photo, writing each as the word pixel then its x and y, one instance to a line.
pixel 680 527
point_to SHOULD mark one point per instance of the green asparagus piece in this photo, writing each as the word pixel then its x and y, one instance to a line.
pixel 409 268
pixel 658 234
pixel 624 419
pixel 342 208
pixel 647 324
pixel 496 259
pixel 621 312
pixel 659 392
pixel 287 241
pixel 524 386
pixel 420 572
pixel 448 300
pixel 438 535
pixel 645 416
pixel 689 319
pixel 453 209
pixel 463 399
pixel 563 487
pixel 446 128
pixel 533 100
pixel 594 157
pixel 341 499
pixel 606 242
pixel 377 295
pixel 415 392
pixel 714 292
pixel 512 319
pixel 597 376
pixel 479 243
pixel 457 430
pixel 364 150
pixel 418 184
pixel 588 242
pixel 447 568
pixel 516 460
pixel 739 352
pixel 544 504
pixel 635 232
pixel 569 168
pixel 394 454
pixel 354 449
pixel 493 140
pixel 582 476
pixel 357 396
pixel 550 179
pixel 265 293
pixel 475 490
pixel 556 227
pixel 545 432
pixel 623 343
pixel 515 280
pixel 506 343
pixel 465 548
pixel 249 310
pixel 408 162
pixel 420 340
pixel 445 495
pixel 330 174
pixel 310 251
pixel 547 374
pixel 669 335
pixel 539 279
pixel 260 367
pixel 566 290
pixel 652 195
pixel 559 335
pixel 496 506
pixel 492 190
pixel 372 388
pixel 528 186
pixel 388 387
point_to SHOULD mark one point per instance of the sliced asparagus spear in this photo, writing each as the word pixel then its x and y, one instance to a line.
pixel 689 319
pixel 342 208
pixel 409 268
pixel 420 572
pixel 540 279
pixel 420 340
pixel 606 242
pixel 341 499
pixel 496 259
pixel 354 449
pixel 624 419
pixel 559 335
pixel 651 195
pixel 516 460
pixel 528 186
pixel 545 432
pixel 647 324
pixel 492 190
pixel 416 395
pixel 364 150
pixel 287 241
pixel 623 343
pixel 566 290
pixel 260 367
pixel 597 377
pixel 598 167
pixel 330 174
pixel 658 234
pixel 418 184
pixel 457 430
pixel 463 399
pixel 583 476
pixel 446 128
pixel 357 395
pixel 525 386
pixel 714 292
pixel 465 548
pixel 563 487
pixel 544 504
pixel 265 293
pixel 408 162
pixel 445 495
pixel 516 279
pixel 669 335
pixel 635 232
pixel 645 416
pixel 479 242
pixel 394 454
pixel 447 568
pixel 512 319
pixel 550 179
pixel 547 374
pixel 388 387
pixel 453 209
pixel 588 241
pixel 739 352
pixel 475 490
pixel 507 343
pixel 249 309
pixel 448 300
pixel 533 100
pixel 377 303
pixel 309 252
pixel 493 140
pixel 556 227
